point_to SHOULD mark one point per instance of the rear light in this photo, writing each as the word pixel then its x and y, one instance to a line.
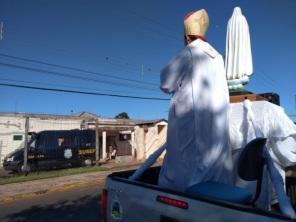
pixel 104 205
pixel 172 202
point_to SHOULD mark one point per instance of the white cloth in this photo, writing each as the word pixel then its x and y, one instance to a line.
pixel 273 124
pixel 263 119
pixel 238 63
pixel 197 139
pixel 278 184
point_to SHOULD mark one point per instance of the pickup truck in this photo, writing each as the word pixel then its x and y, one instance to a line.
pixel 143 200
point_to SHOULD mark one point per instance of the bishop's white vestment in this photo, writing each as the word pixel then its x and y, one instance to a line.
pixel 197 140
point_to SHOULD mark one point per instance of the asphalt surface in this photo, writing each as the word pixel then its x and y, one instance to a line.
pixel 69 198
pixel 21 190
pixel 81 204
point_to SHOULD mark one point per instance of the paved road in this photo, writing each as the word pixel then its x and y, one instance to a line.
pixel 81 204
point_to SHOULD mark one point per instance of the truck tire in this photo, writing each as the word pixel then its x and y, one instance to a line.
pixel 86 162
pixel 20 168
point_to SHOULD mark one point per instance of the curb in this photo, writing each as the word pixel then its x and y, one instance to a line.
pixel 122 166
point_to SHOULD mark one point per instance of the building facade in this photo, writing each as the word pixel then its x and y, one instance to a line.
pixel 133 139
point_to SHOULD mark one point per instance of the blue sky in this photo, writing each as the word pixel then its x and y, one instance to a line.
pixel 132 40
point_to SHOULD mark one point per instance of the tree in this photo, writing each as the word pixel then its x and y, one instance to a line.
pixel 122 115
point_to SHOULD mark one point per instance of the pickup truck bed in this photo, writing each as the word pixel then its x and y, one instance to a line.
pixel 143 200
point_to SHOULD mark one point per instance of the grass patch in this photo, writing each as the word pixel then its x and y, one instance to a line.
pixel 17 178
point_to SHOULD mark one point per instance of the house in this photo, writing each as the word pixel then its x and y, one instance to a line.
pixel 149 136
pixel 133 139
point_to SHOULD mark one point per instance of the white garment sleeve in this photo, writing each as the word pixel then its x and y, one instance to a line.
pixel 172 74
pixel 284 150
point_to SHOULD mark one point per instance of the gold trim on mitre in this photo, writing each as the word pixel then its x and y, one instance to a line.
pixel 196 23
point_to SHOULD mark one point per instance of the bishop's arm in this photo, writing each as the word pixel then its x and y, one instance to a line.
pixel 172 74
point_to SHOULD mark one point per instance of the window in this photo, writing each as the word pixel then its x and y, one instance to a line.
pixel 32 144
pixel 66 141
pixel 17 137
pixel 46 141
pixel 124 137
pixel 87 138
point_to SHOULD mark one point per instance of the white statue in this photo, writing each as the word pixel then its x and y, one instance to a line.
pixel 238 61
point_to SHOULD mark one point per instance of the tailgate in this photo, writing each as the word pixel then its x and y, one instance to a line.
pixel 132 201
pixel 127 202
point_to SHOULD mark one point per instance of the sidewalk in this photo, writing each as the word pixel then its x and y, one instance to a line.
pixel 15 191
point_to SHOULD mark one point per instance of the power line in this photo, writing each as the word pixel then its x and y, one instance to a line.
pixel 122 63
pixel 116 62
pixel 74 69
pixel 167 31
pixel 264 83
pixel 149 19
pixel 62 85
pixel 150 35
pixel 154 21
pixel 82 92
pixel 123 66
pixel 74 76
pixel 267 79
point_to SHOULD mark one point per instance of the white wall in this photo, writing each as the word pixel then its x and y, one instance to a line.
pixel 155 139
pixel 144 143
pixel 10 126
pixel 150 141
pixel 139 143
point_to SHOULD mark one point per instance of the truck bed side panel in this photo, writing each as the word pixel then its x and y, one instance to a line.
pixel 138 203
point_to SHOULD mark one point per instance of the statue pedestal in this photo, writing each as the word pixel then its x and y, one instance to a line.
pixel 237 98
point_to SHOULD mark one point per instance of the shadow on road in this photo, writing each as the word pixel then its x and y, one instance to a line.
pixel 83 209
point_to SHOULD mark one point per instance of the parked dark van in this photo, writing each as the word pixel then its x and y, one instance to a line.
pixel 55 149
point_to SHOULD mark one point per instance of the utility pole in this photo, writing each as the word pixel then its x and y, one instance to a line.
pixel 25 167
pixel 1 152
pixel 293 115
pixel 142 73
pixel 295 103
pixel 1 30
pixel 97 143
